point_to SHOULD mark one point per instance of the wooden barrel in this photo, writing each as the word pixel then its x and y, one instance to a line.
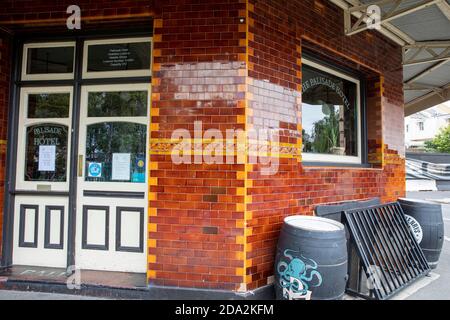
pixel 427 225
pixel 311 260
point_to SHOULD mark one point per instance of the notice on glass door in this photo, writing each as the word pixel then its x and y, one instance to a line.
pixel 121 166
pixel 47 157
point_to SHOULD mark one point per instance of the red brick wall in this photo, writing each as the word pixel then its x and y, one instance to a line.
pixel 43 12
pixel 278 32
pixel 237 64
pixel 196 209
pixel 5 58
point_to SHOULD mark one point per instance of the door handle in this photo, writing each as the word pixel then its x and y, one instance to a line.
pixel 80 165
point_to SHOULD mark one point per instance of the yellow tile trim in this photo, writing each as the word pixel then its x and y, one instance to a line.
pixel 154 126
pixel 241 175
pixel 157 37
pixel 151 258
pixel 240 240
pixel 241 119
pixel 151 243
pixel 152 212
pixel 158 23
pixel 155 96
pixel 156 81
pixel 151 274
pixel 153 165
pixel 157 52
pixel 153 181
pixel 156 67
pixel 248 113
pixel 152 227
pixel 240 191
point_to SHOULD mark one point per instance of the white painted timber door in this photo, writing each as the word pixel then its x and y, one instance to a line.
pixel 42 177
pixel 111 218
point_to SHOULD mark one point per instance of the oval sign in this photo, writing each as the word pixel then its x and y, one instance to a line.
pixel 415 227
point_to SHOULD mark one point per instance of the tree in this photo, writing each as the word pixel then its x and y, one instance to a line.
pixel 441 142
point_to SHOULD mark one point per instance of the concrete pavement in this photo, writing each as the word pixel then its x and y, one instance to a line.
pixel 25 295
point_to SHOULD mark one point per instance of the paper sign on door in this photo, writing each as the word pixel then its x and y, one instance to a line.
pixel 47 157
pixel 121 166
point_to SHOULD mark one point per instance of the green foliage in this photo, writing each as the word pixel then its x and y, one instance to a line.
pixel 441 142
pixel 326 134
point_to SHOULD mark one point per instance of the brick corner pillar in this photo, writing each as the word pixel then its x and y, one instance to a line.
pixel 197 207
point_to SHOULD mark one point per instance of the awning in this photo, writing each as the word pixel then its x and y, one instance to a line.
pixel 422 28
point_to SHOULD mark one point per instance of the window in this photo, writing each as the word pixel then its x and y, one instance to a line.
pixel 117 58
pixel 111 142
pixel 331 115
pixel 116 134
pixel 48 61
pixel 44 138
pixel 46 153
pixel 420 124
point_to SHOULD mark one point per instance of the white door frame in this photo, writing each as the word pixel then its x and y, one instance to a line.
pixel 108 257
pixel 40 227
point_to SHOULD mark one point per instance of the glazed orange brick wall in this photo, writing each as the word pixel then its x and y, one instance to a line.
pixel 196 210
pixel 278 32
pixel 4 97
pixel 40 13
pixel 237 64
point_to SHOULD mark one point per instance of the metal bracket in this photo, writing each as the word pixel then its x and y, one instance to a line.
pixel 425 52
pixel 394 11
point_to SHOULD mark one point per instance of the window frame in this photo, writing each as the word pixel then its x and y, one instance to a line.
pixel 86 121
pixel 421 125
pixel 330 159
pixel 25 123
pixel 115 74
pixel 46 76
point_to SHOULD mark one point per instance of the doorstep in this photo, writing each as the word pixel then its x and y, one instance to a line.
pixel 116 285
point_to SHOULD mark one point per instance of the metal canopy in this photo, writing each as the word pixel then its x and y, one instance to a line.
pixel 422 28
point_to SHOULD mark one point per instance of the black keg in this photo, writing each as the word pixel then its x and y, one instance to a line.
pixel 427 225
pixel 311 260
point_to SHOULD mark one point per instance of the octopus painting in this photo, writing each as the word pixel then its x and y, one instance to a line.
pixel 297 276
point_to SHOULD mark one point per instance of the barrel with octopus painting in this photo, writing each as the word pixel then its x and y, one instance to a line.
pixel 311 261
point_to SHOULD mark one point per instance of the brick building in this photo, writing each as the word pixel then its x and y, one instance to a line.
pixel 87 182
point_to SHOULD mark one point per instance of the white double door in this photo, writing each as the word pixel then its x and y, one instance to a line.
pixel 112 196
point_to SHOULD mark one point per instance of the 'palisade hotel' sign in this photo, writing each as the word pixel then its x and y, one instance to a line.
pixel 323 81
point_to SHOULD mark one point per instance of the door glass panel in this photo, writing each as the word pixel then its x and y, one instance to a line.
pixel 46 153
pixel 43 105
pixel 119 57
pixel 50 60
pixel 116 151
pixel 117 104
